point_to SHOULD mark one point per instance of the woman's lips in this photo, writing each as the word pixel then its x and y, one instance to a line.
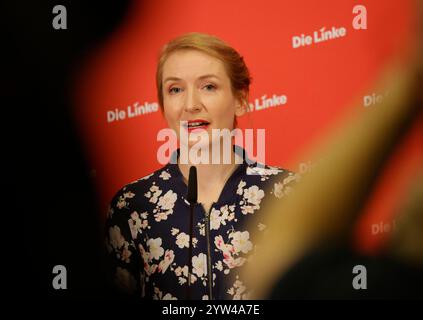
pixel 191 129
pixel 196 124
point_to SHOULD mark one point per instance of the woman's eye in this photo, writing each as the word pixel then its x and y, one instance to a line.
pixel 210 87
pixel 174 90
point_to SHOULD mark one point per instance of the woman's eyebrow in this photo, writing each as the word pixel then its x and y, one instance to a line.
pixel 208 76
pixel 199 78
pixel 171 79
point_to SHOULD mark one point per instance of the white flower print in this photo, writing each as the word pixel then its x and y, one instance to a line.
pixel 202 228
pixel 126 253
pixel 225 213
pixel 283 188
pixel 122 199
pixel 146 177
pixel 218 265
pixel 162 215
pixel 165 175
pixel 185 271
pixel 154 188
pixel 145 256
pixel 215 219
pixel 220 243
pixel 129 194
pixel 135 224
pixel 194 242
pixel 166 262
pixel 263 172
pixel 149 269
pixel 218 217
pixel 158 295
pixel 228 251
pixel 165 206
pixel 261 226
pixel 199 265
pixel 251 199
pixel 182 274
pixel 277 190
pixel 156 251
pixel 168 296
pixel 248 209
pixel 115 237
pixel 241 241
pixel 167 202
pixel 182 240
pixel 152 269
pixel 241 185
pixel 179 271
pixel 238 291
pixel 232 262
pixel 155 196
pixel 193 278
pixel 254 195
pixel 121 203
pixel 174 231
pixel 288 182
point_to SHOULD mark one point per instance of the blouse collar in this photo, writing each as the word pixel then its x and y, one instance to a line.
pixel 231 185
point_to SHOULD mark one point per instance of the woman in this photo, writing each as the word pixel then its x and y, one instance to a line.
pixel 204 83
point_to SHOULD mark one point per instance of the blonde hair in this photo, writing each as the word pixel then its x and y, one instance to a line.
pixel 233 62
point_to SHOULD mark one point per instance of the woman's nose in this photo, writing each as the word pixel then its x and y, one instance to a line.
pixel 192 101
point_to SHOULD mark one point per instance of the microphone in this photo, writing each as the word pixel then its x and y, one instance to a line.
pixel 192 185
pixel 192 199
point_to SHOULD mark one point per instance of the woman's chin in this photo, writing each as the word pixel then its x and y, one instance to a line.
pixel 196 145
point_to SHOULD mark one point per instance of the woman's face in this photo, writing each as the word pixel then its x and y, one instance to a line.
pixel 196 87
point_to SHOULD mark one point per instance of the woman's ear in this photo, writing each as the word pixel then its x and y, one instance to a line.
pixel 242 104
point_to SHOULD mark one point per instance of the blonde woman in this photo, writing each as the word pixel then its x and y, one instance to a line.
pixel 203 85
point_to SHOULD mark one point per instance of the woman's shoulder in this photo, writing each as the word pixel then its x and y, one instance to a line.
pixel 264 172
pixel 271 179
pixel 136 189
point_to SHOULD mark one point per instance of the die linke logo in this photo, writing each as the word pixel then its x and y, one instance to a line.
pixel 132 111
pixel 320 35
pixel 374 99
pixel 266 102
pixel 324 34
pixel 383 227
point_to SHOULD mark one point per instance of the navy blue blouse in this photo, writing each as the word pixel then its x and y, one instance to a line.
pixel 147 233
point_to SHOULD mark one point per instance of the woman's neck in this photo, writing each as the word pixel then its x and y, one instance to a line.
pixel 212 174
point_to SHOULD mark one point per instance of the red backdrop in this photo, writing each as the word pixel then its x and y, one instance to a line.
pixel 322 82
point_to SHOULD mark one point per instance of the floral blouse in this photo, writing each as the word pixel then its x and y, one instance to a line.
pixel 147 233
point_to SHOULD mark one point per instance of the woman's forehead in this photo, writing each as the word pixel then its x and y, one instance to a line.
pixel 192 64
